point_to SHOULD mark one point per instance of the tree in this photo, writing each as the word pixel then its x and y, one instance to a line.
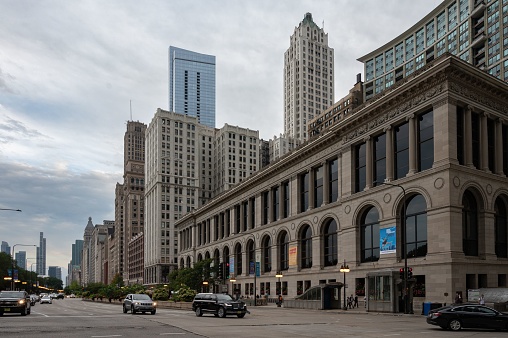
pixel 191 277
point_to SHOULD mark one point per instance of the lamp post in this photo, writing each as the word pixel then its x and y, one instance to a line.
pixel 31 285
pixel 232 280
pixel 344 269
pixel 12 259
pixel 404 240
pixel 279 276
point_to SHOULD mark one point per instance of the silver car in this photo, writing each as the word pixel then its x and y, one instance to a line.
pixel 135 302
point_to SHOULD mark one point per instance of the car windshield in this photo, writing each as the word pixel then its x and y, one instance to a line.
pixel 224 297
pixel 141 297
pixel 45 297
pixel 9 294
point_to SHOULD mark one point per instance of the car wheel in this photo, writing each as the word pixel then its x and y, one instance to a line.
pixel 241 315
pixel 124 309
pixel 222 312
pixel 29 311
pixel 153 312
pixel 455 325
pixel 24 312
pixel 132 310
pixel 198 312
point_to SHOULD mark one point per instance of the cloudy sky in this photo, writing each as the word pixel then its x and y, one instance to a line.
pixel 68 70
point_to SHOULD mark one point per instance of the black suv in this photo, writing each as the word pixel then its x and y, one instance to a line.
pixel 219 304
pixel 15 302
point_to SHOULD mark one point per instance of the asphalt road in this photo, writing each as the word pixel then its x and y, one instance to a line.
pixel 77 318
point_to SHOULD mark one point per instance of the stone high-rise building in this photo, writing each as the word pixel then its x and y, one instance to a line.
pixel 41 255
pixel 308 78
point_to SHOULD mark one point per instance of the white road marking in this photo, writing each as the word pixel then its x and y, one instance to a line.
pixel 163 334
pixel 112 335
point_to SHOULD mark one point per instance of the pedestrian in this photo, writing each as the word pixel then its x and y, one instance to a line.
pixel 356 301
pixel 482 300
pixel 458 298
pixel 365 301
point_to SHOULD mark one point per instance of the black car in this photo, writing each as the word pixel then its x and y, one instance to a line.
pixel 455 317
pixel 219 304
pixel 15 302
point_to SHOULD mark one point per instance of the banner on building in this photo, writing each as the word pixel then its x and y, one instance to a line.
pixel 387 240
pixel 293 255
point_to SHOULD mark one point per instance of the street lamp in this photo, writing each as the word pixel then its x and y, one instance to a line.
pixel 232 280
pixel 12 259
pixel 279 276
pixel 344 268
pixel 404 240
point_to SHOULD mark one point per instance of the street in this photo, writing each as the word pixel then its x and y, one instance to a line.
pixel 77 318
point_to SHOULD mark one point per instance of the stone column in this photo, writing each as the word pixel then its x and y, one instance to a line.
pixel 241 225
pixel 499 147
pixel 468 137
pixel 412 145
pixel 484 143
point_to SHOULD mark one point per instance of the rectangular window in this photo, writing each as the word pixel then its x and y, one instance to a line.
pixel 369 70
pixel 441 25
pixel 452 16
pixel 238 226
pixel 425 141
pixel 491 144
pixel 410 48
pixel 399 54
pixel 379 159
pixel 252 203
pixel 285 191
pixel 475 126
pixel 389 60
pixel 245 208
pixel 318 187
pixel 304 192
pixel 430 33
pixel 401 150
pixel 379 65
pixel 333 180
pixel 265 207
pixel 420 41
pixel 360 167
pixel 275 203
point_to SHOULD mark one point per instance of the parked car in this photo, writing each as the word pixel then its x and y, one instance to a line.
pixel 15 302
pixel 60 296
pixel 458 316
pixel 219 304
pixel 46 299
pixel 135 302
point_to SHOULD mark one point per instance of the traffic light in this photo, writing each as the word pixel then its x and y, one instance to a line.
pixel 226 271
pixel 409 273
pixel 221 271
pixel 401 273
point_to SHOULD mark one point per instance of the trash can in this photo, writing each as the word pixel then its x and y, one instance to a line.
pixel 426 308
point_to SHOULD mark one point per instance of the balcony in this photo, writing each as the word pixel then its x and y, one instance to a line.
pixel 479 40
pixel 479 9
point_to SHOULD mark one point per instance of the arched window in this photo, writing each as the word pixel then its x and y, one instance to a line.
pixel 207 255
pixel 188 262
pixel 283 251
pixel 306 247
pixel 416 227
pixel 469 224
pixel 251 252
pixel 200 257
pixel 238 259
pixel 330 243
pixel 266 248
pixel 225 259
pixel 369 229
pixel 500 222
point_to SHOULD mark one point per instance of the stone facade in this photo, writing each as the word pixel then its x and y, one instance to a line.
pixel 323 205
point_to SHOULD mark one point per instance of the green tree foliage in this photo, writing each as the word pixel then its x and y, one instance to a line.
pixel 184 294
pixel 160 293
pixel 117 280
pixel 191 277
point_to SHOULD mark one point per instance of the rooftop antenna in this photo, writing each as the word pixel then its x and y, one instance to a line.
pixel 130 104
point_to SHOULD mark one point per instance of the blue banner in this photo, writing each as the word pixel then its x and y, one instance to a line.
pixel 387 240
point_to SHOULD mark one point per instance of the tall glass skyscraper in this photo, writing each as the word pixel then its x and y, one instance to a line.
pixel 192 84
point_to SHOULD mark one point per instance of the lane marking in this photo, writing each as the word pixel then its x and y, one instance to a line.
pixel 112 335
pixel 170 333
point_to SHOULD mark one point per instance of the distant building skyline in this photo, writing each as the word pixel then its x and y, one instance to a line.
pixel 192 84
pixel 21 259
pixel 41 255
pixel 55 272
pixel 5 248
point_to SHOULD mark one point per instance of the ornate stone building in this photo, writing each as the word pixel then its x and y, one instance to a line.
pixel 427 157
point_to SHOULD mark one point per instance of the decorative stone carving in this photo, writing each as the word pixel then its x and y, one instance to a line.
pixel 438 183
pixel 489 189
pixel 347 209
pixel 456 181
pixel 387 198
pixel 315 220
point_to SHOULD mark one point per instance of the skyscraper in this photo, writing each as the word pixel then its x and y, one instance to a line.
pixel 192 84
pixel 77 249
pixel 308 78
pixel 55 271
pixel 21 259
pixel 5 248
pixel 41 255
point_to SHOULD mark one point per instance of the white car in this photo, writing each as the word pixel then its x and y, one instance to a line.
pixel 46 299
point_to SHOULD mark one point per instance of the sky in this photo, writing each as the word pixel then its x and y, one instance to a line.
pixel 70 71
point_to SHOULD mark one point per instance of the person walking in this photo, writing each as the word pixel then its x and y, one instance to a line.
pixel 355 304
pixel 482 300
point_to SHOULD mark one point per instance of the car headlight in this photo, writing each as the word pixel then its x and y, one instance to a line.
pixel 154 303
pixel 21 301
pixel 136 303
pixel 227 304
